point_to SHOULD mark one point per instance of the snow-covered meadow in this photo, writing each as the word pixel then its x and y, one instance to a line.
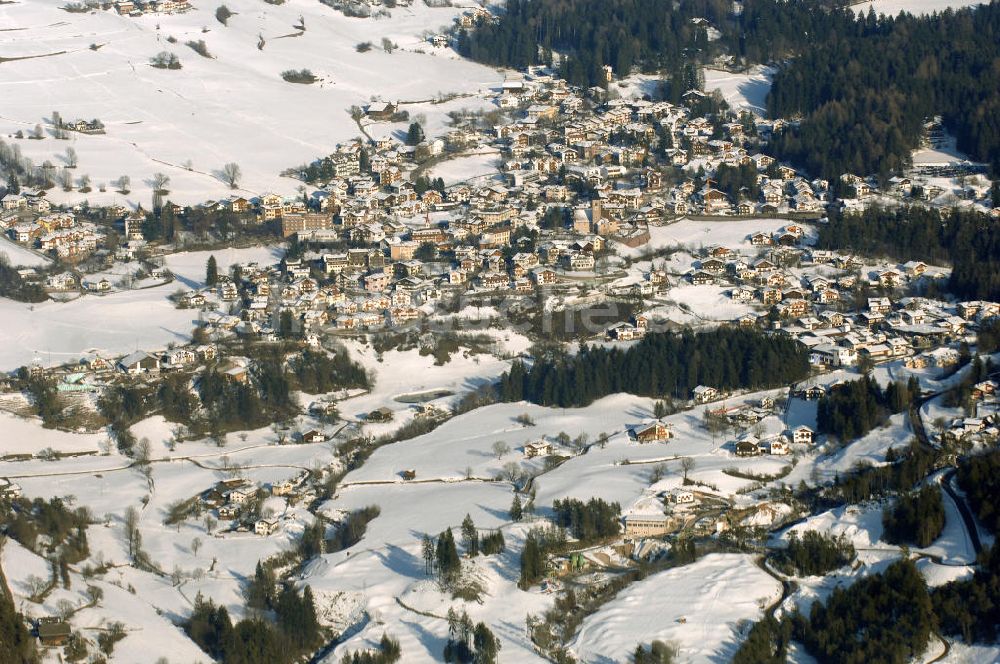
pixel 231 107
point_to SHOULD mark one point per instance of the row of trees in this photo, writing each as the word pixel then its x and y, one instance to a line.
pixel 965 239
pixel 388 652
pixel 970 608
pixel 661 364
pixel 587 522
pixel 441 554
pixel 265 397
pixel 657 35
pixel 317 372
pixel 889 617
pixel 884 617
pixel 13 286
pixel 352 528
pixel 900 474
pixel 218 403
pixel 47 526
pixel 537 545
pixel 17 646
pixel 850 410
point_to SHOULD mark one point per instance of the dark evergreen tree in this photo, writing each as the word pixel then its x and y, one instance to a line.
pixel 415 134
pixel 516 511
pixel 446 559
pixel 211 271
pixel 470 537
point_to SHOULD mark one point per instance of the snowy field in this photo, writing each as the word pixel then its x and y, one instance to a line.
pixel 695 235
pixel 18 256
pixel 52 333
pixel 233 107
pixel 467 167
pixel 386 564
pixel 696 607
pixel 917 7
pixel 188 267
pixel 742 91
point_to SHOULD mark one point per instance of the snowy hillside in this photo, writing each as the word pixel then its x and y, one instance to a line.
pixel 231 107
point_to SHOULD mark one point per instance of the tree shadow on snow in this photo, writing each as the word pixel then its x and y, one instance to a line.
pixel 433 643
pixel 501 515
pixel 401 561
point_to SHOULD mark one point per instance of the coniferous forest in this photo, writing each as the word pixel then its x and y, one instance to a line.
pixel 864 94
pixel 967 240
pixel 662 364
pixel 654 35
pixel 881 618
pixel 852 409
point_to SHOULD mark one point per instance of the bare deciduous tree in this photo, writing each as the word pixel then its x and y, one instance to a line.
pixel 36 584
pixel 500 448
pixel 231 173
pixel 71 158
pixel 141 451
pixel 65 609
pixel 511 471
pixel 132 530
pixel 160 182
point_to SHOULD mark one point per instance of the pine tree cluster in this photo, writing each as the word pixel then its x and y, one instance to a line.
pixel 661 364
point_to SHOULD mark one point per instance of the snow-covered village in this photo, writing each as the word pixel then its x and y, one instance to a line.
pixel 360 331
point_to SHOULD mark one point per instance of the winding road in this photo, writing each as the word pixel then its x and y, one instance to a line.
pixel 917 424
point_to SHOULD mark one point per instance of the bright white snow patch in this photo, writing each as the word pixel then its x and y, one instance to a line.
pixel 711 596
pixel 742 91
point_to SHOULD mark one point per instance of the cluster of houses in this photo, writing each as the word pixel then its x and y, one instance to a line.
pixel 749 445
pixel 93 126
pixel 659 514
pixel 231 498
pixel 140 7
pixel 985 429
pixel 816 302
pixel 561 141
pixel 29 221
